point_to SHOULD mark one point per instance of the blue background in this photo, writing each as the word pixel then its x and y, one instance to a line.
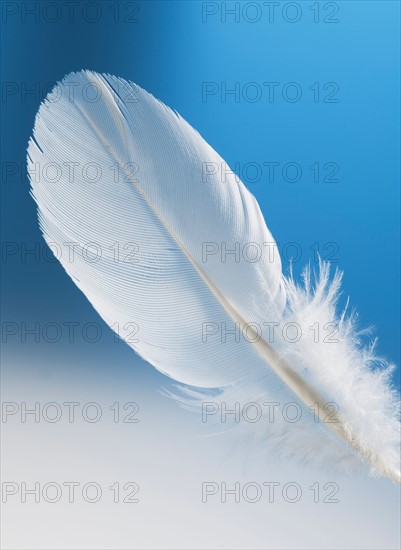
pixel 170 52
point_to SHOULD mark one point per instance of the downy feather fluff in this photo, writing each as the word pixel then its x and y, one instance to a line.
pixel 121 175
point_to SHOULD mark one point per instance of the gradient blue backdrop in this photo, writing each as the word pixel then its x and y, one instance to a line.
pixel 170 51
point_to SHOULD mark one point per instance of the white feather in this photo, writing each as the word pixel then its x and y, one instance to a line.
pixel 169 209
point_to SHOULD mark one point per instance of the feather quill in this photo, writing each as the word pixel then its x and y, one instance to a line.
pixel 121 176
